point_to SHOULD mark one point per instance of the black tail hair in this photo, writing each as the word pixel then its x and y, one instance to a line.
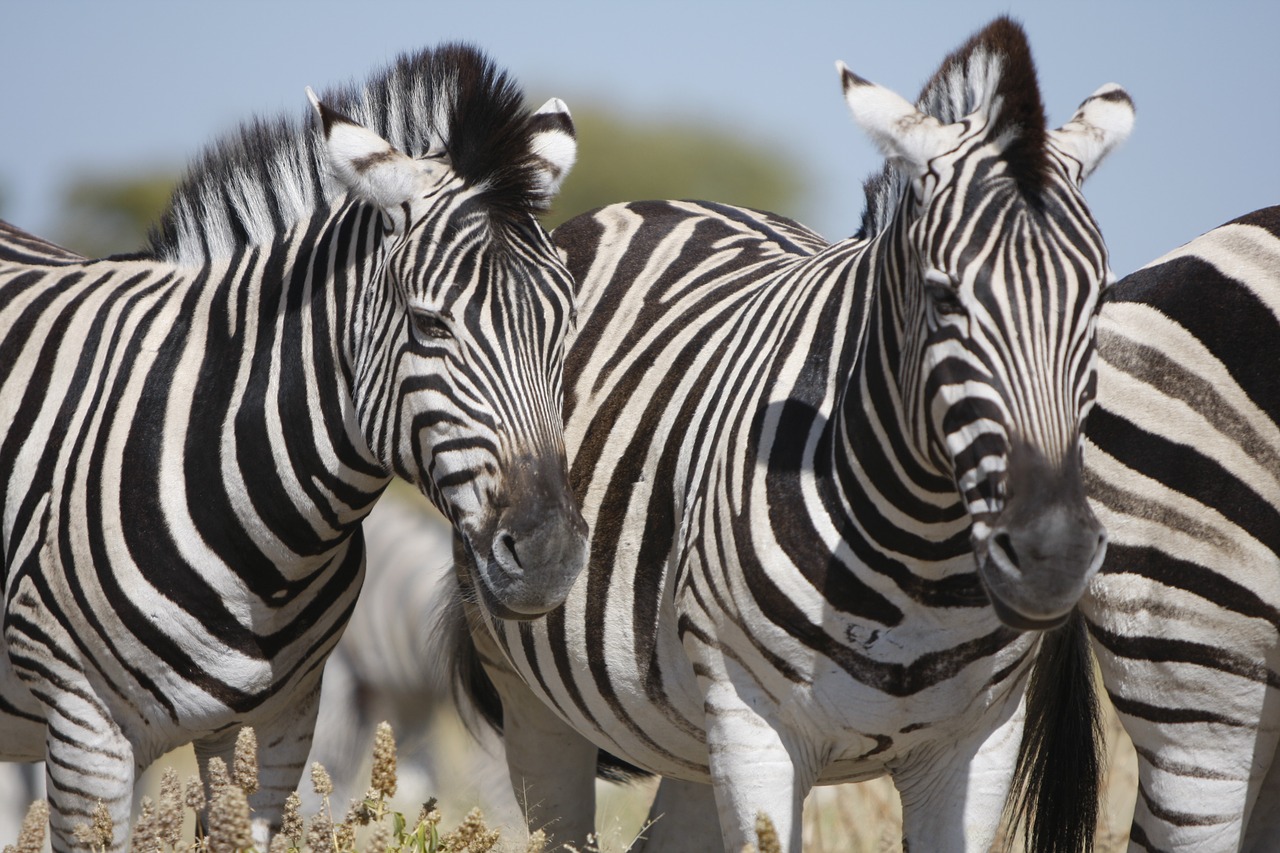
pixel 1057 782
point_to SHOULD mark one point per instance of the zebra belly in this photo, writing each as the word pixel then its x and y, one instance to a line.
pixel 650 711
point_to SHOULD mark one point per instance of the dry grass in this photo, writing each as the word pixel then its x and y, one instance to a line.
pixel 856 818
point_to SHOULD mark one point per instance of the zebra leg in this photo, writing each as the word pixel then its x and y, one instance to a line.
pixel 283 745
pixel 552 767
pixel 1262 832
pixel 1203 752
pixel 682 819
pixel 753 768
pixel 953 791
pixel 90 762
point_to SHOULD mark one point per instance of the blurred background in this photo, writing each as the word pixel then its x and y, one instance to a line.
pixel 733 101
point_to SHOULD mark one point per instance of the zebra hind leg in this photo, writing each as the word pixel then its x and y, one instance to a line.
pixel 1262 832
pixel 682 819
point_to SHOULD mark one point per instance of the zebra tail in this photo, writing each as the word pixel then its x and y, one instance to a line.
pixel 1057 781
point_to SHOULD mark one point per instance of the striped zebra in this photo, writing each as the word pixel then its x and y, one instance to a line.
pixel 1183 467
pixel 191 435
pixel 833 489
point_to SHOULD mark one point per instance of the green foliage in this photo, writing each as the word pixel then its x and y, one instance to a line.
pixel 103 215
pixel 628 159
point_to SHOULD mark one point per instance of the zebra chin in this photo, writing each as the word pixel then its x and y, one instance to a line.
pixel 1035 572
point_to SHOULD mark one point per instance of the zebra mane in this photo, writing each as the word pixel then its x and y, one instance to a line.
pixel 994 71
pixel 257 182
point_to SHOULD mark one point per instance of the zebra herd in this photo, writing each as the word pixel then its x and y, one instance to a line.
pixel 730 504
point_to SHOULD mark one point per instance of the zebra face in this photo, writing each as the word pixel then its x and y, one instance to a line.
pixel 460 358
pixel 1001 272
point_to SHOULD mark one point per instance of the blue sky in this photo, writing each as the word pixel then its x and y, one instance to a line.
pixel 134 85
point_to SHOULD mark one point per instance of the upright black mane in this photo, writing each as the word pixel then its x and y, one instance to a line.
pixel 992 69
pixel 256 182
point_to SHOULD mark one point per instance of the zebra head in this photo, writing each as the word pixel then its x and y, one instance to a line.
pixel 459 353
pixel 999 269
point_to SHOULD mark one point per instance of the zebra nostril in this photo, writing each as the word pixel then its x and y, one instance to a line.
pixel 509 544
pixel 1005 543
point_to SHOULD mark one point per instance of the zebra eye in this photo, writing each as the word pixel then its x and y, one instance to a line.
pixel 942 292
pixel 432 324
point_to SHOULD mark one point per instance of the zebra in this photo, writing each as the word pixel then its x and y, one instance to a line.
pixel 191 434
pixel 1183 466
pixel 834 490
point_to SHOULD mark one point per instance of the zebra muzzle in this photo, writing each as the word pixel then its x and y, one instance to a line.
pixel 1045 546
pixel 537 546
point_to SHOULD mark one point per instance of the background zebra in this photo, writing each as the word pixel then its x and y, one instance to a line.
pixel 1183 467
pixel 190 436
pixel 793 456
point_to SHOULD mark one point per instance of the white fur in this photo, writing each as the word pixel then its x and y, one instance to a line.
pixel 558 149
pixel 370 167
pixel 1099 125
pixel 901 131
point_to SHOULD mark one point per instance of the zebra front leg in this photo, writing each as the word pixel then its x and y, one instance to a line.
pixel 754 767
pixel 953 790
pixel 283 746
pixel 90 763
pixel 552 767
pixel 682 819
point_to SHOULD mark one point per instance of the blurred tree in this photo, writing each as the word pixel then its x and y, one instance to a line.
pixel 103 215
pixel 619 159
pixel 629 159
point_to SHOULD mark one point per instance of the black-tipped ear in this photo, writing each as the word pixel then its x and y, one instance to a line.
pixel 327 115
pixel 848 79
pixel 554 144
pixel 549 122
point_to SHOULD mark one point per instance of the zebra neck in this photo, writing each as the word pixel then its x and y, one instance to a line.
pixel 298 408
pixel 892 486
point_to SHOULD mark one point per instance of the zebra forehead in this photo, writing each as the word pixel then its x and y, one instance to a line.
pixel 256 182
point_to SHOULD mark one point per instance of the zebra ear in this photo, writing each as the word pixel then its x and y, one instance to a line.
pixel 903 133
pixel 365 163
pixel 1102 122
pixel 554 144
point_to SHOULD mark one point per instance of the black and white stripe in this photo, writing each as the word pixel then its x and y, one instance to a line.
pixel 828 485
pixel 1183 467
pixel 190 436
